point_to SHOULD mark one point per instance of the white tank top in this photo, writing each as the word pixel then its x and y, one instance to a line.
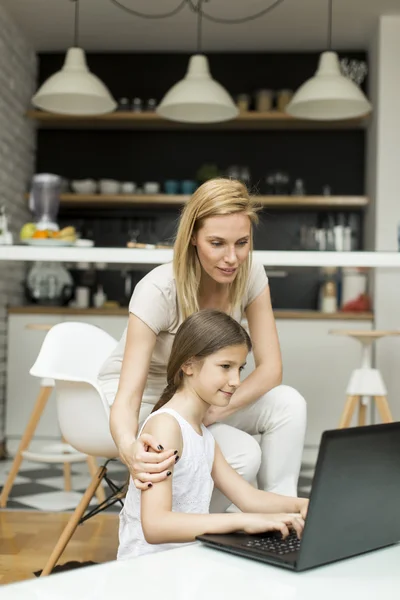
pixel 192 487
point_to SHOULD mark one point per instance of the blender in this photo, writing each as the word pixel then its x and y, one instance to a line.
pixel 44 200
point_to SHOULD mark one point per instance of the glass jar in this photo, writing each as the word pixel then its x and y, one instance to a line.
pixel 243 102
pixel 264 99
pixel 283 99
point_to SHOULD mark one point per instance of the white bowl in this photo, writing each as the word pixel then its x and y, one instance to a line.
pixel 84 186
pixel 109 186
pixel 151 187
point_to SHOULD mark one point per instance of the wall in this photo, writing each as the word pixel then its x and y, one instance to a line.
pixel 17 148
pixel 384 187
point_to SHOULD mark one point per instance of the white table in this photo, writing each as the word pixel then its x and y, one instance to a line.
pixel 199 573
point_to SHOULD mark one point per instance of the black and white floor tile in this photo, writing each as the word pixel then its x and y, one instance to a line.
pixel 39 486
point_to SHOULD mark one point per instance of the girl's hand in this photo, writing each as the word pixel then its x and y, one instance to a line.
pixel 302 506
pixel 260 523
pixel 213 414
pixel 147 467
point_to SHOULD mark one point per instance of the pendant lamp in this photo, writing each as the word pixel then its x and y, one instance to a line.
pixel 329 95
pixel 198 98
pixel 74 90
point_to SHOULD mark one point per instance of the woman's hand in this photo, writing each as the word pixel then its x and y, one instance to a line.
pixel 147 461
pixel 260 523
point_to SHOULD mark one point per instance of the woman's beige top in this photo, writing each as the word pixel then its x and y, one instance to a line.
pixel 154 301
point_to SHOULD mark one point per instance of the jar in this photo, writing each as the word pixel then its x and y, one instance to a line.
pixel 243 102
pixel 283 99
pixel 137 105
pixel 264 100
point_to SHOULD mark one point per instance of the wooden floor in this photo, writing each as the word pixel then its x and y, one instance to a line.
pixel 27 539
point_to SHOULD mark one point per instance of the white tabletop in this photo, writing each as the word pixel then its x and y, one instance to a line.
pixel 199 573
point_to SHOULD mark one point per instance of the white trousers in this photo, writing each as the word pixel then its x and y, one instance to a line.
pixel 273 458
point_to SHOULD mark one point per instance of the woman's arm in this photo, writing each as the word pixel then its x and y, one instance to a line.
pixel 246 497
pixel 124 415
pixel 162 526
pixel 267 358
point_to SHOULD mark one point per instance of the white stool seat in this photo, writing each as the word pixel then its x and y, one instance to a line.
pixel 366 382
pixel 55 453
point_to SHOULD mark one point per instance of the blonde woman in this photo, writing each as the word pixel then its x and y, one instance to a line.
pixel 212 268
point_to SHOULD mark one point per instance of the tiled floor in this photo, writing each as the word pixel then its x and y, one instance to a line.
pixel 41 487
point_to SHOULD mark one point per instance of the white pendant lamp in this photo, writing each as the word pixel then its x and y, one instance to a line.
pixel 198 98
pixel 74 90
pixel 329 95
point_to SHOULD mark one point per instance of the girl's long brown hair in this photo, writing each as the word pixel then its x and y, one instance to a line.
pixel 200 335
pixel 215 197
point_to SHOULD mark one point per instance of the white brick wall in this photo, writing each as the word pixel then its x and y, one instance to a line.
pixel 18 67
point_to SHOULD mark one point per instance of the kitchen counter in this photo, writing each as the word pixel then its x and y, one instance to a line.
pixel 143 257
pixel 123 311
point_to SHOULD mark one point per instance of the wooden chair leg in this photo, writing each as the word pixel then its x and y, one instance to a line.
pixel 362 413
pixel 383 408
pixel 74 521
pixel 67 474
pixel 40 404
pixel 100 493
pixel 348 411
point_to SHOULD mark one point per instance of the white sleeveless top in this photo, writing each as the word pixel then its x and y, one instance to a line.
pixel 192 487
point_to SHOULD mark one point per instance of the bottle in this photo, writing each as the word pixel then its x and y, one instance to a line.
pixel 329 297
pixel 99 297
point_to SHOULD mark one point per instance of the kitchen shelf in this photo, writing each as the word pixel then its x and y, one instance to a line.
pixel 251 120
pixel 284 202
pixel 123 311
pixel 146 257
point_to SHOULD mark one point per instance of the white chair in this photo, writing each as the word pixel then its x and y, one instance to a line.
pixel 71 355
pixel 55 452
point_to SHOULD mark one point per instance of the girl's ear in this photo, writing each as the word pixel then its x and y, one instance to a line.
pixel 193 239
pixel 187 367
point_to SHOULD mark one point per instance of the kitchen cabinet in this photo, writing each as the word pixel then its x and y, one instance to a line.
pixel 315 363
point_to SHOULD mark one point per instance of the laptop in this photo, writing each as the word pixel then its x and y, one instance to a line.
pixel 354 504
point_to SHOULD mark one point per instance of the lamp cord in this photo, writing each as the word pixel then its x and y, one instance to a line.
pixel 199 25
pixel 76 25
pixel 197 9
pixel 330 15
pixel 137 13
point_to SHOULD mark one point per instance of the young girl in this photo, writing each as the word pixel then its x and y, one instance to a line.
pixel 208 354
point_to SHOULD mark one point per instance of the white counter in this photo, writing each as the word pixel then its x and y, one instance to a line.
pixel 198 573
pixel 157 257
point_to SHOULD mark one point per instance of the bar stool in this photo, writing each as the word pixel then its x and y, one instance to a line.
pixel 365 381
pixel 53 453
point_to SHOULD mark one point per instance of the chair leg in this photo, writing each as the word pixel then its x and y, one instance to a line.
pixel 67 475
pixel 40 404
pixel 348 411
pixel 100 493
pixel 383 408
pixel 362 413
pixel 74 521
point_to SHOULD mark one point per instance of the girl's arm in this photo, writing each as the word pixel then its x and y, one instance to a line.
pixel 124 413
pixel 246 497
pixel 161 526
pixel 267 357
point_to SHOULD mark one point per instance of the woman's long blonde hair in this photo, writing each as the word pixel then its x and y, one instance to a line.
pixel 214 198
pixel 200 335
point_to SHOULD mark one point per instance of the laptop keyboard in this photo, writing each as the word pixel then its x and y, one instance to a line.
pixel 275 544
